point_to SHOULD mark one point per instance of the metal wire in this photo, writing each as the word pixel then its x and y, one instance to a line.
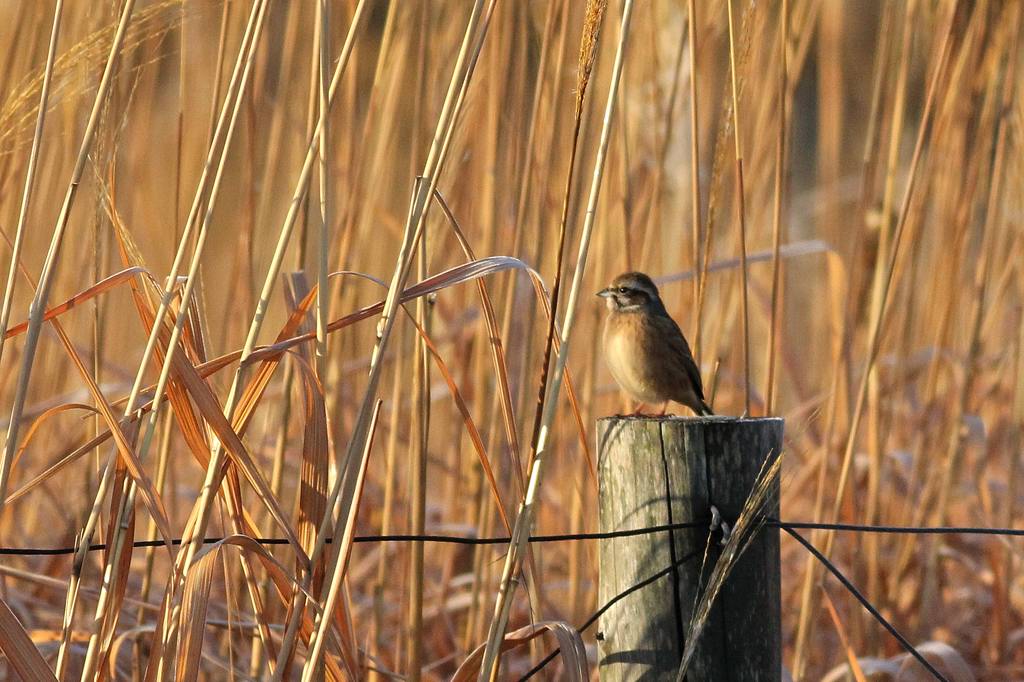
pixel 563 537
pixel 790 527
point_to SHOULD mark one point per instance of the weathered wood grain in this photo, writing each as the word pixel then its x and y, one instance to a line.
pixel 655 471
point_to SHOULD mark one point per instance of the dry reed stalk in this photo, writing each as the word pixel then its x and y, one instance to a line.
pixel 894 252
pixel 420 409
pixel 924 441
pixel 809 584
pixel 691 32
pixel 243 67
pixel 164 305
pixel 549 394
pixel 39 300
pixel 966 184
pixel 540 245
pixel 953 455
pixel 30 176
pixel 482 516
pixel 885 237
pixel 343 490
pixel 257 655
pixel 1016 440
pixel 376 642
pixel 1001 627
pixel 163 458
pixel 594 14
pixel 718 160
pixel 99 267
pixel 213 473
pixel 581 514
pixel 780 165
pixel 352 226
pixel 309 671
pixel 740 213
pixel 418 474
pixel 503 396
pixel 180 132
pixel 840 363
pixel 870 165
pixel 851 657
pixel 130 464
pixel 323 292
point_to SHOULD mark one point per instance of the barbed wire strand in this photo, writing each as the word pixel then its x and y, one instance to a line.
pixel 561 537
pixel 864 602
pixel 791 528
pixel 607 605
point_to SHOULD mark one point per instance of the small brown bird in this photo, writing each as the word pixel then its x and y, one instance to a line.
pixel 644 347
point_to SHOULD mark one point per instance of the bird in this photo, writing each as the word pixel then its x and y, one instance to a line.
pixel 644 348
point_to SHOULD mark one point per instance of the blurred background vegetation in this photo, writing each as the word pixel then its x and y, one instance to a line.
pixel 892 184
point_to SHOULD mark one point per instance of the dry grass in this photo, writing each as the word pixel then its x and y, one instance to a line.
pixel 862 159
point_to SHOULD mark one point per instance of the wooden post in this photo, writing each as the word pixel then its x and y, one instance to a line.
pixel 656 471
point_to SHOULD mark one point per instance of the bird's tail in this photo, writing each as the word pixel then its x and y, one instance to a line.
pixel 705 410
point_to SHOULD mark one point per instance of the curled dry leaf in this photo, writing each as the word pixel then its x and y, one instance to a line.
pixel 196 596
pixel 38 422
pixel 905 668
pixel 873 668
pixel 271 355
pixel 570 645
pixel 945 658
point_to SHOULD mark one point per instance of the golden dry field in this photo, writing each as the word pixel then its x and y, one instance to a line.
pixel 285 269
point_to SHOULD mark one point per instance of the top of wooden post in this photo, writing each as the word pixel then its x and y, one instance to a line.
pixel 712 419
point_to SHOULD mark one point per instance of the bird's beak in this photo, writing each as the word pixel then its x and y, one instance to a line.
pixel 605 293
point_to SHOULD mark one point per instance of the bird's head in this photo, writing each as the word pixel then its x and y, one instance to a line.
pixel 631 291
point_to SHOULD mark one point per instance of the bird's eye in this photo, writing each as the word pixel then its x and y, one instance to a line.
pixel 622 290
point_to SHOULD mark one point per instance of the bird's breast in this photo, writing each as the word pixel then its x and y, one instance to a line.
pixel 628 358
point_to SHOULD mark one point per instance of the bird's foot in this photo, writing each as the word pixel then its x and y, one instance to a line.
pixel 638 411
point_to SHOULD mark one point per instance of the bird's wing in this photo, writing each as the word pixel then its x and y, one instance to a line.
pixel 681 349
